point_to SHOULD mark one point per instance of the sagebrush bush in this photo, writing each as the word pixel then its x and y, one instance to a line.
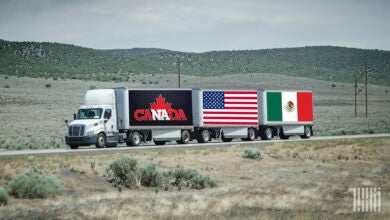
pixel 252 153
pixel 124 172
pixel 150 176
pixel 4 197
pixel 35 184
pixel 190 178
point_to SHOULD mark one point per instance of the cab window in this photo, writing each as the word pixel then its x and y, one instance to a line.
pixel 107 114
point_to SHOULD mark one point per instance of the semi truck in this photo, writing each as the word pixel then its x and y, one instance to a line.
pixel 132 116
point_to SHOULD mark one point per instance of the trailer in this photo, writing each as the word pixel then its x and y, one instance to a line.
pixel 111 116
pixel 285 114
pixel 225 114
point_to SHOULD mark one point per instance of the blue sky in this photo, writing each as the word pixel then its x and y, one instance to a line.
pixel 198 26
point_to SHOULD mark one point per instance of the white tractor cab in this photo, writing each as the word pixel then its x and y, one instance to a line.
pixel 95 121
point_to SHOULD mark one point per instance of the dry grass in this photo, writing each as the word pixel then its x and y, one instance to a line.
pixel 294 181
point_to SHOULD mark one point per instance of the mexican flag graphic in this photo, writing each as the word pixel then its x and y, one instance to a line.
pixel 290 106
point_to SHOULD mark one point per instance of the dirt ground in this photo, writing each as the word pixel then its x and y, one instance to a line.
pixel 312 180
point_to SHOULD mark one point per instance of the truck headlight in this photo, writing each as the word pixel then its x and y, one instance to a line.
pixel 90 132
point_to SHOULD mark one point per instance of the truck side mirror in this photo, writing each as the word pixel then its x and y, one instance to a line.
pixel 74 116
pixel 66 122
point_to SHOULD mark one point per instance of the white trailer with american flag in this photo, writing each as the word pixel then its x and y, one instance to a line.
pixel 225 114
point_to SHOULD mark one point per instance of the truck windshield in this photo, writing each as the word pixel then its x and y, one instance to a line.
pixel 91 113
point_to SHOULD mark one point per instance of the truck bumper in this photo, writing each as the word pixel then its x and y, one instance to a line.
pixel 81 141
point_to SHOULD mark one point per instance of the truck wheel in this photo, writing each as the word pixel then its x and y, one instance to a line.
pixel 307 132
pixel 282 136
pixel 204 136
pixel 160 142
pixel 100 141
pixel 73 146
pixel 185 137
pixel 226 139
pixel 267 134
pixel 251 135
pixel 135 139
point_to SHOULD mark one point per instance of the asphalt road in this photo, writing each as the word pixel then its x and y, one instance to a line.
pixel 171 145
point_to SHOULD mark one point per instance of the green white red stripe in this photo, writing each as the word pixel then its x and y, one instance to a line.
pixel 289 106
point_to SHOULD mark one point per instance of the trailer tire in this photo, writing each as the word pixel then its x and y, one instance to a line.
pixel 283 136
pixel 160 142
pixel 251 135
pixel 204 136
pixel 307 132
pixel 135 139
pixel 185 137
pixel 266 134
pixel 225 139
pixel 74 146
pixel 100 140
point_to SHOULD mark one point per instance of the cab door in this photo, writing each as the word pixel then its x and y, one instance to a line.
pixel 110 125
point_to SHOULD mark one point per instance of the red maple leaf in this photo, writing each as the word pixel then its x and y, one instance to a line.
pixel 160 104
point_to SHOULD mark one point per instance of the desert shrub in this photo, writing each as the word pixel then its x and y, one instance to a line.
pixel 35 184
pixel 7 86
pixel 4 197
pixel 252 153
pixel 124 172
pixel 48 85
pixel 150 176
pixel 190 178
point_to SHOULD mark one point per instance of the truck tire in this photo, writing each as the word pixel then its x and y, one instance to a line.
pixel 282 136
pixel 224 139
pixel 160 142
pixel 73 146
pixel 251 135
pixel 100 140
pixel 135 139
pixel 307 132
pixel 266 134
pixel 185 137
pixel 204 136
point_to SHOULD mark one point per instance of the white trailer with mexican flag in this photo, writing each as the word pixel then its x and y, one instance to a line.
pixel 285 114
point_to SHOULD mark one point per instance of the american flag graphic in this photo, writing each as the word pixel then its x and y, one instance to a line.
pixel 230 108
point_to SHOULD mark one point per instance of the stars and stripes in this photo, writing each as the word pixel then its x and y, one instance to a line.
pixel 230 108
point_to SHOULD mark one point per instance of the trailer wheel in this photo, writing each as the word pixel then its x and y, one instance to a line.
pixel 100 140
pixel 160 142
pixel 73 146
pixel 307 132
pixel 251 135
pixel 185 137
pixel 266 134
pixel 283 136
pixel 224 139
pixel 135 139
pixel 204 136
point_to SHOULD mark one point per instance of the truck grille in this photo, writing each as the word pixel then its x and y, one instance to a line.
pixel 76 130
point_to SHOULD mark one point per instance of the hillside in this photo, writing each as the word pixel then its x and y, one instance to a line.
pixel 68 61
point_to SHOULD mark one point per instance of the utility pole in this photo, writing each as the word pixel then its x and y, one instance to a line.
pixel 178 72
pixel 358 76
pixel 356 87
pixel 366 72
